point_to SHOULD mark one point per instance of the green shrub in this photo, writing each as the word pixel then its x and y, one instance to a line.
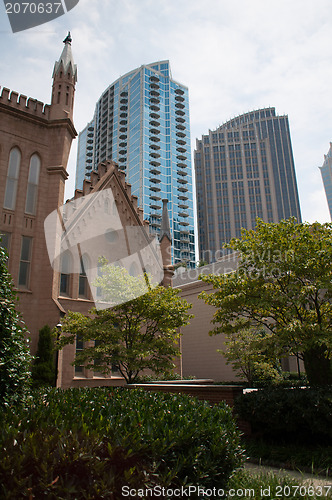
pixel 112 437
pixel 43 369
pixel 303 415
pixel 15 356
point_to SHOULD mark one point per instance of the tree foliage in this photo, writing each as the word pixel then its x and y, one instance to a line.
pixel 284 283
pixel 43 369
pixel 141 333
pixel 252 355
pixel 15 355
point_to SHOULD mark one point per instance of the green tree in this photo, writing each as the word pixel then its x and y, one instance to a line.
pixel 141 333
pixel 43 369
pixel 15 358
pixel 252 355
pixel 284 283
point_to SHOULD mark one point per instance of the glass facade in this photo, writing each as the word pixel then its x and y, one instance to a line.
pixel 326 172
pixel 142 123
pixel 244 170
pixel 84 154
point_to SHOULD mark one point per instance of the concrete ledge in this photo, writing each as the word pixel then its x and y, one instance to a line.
pixel 98 382
pixel 181 382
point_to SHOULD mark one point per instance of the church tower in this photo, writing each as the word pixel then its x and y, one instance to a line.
pixel 35 141
pixel 64 81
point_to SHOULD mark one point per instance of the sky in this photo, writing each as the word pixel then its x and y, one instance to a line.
pixel 233 56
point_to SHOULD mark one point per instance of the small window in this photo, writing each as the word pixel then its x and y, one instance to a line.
pixel 5 240
pixel 12 179
pixel 25 262
pixel 97 361
pixel 65 274
pixel 79 348
pixel 99 291
pixel 106 206
pixel 133 270
pixel 32 189
pixel 83 278
pixel 111 236
pixel 114 208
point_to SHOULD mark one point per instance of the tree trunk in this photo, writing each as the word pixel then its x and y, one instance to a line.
pixel 317 366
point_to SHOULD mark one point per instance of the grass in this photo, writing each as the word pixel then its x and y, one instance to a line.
pixel 310 458
pixel 269 486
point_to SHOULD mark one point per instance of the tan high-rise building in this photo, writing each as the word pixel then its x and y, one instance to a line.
pixel 244 170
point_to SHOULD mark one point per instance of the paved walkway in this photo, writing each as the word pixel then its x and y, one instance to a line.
pixel 300 476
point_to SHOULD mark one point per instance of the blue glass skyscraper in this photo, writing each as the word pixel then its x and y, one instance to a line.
pixel 141 122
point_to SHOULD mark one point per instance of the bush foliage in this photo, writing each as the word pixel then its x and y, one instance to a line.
pixel 303 415
pixel 15 355
pixel 43 369
pixel 88 443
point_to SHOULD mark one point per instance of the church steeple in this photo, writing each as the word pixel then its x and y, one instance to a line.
pixel 165 229
pixel 64 81
pixel 165 240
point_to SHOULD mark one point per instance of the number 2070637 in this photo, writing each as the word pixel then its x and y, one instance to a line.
pixel 33 8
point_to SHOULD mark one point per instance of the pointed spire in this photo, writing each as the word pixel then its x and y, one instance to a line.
pixel 66 60
pixel 68 38
pixel 64 81
pixel 165 229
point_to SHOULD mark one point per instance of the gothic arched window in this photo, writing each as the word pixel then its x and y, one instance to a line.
pixel 12 179
pixel 32 189
pixel 66 269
